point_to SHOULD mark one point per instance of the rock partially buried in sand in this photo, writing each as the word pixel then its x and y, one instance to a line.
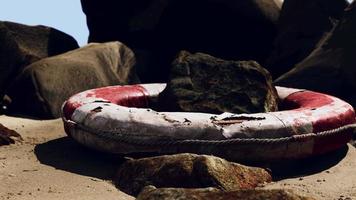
pixel 22 45
pixel 45 85
pixel 302 24
pixel 188 171
pixel 151 193
pixel 158 29
pixel 203 83
pixel 330 68
pixel 8 136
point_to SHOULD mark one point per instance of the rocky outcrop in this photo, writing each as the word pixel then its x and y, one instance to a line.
pixel 203 83
pixel 151 193
pixel 158 29
pixel 330 68
pixel 22 45
pixel 302 24
pixel 45 85
pixel 187 171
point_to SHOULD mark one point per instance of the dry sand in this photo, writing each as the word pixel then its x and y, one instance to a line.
pixel 48 165
pixel 330 176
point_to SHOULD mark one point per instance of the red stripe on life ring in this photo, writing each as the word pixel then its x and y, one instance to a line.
pixel 306 100
pixel 309 102
pixel 129 95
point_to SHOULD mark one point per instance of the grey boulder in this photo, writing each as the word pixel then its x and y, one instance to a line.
pixel 43 86
pixel 302 24
pixel 330 68
pixel 22 45
pixel 158 29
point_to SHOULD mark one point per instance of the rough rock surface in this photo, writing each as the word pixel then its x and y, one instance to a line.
pixel 330 68
pixel 8 136
pixel 187 171
pixel 158 29
pixel 302 24
pixel 45 85
pixel 151 193
pixel 202 83
pixel 22 45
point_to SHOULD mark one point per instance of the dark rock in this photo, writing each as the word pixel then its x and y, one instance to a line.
pixel 187 171
pixel 151 193
pixel 22 45
pixel 330 68
pixel 8 136
pixel 202 83
pixel 45 85
pixel 302 24
pixel 158 29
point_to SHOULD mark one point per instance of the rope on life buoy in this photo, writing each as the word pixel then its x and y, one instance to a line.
pixel 125 138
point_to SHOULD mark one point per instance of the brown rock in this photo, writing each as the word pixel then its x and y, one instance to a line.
pixel 158 29
pixel 8 136
pixel 187 171
pixel 45 85
pixel 302 24
pixel 151 193
pixel 22 45
pixel 330 68
pixel 202 83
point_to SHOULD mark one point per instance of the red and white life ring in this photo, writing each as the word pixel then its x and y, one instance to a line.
pixel 118 119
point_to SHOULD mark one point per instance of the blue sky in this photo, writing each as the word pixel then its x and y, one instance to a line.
pixel 65 15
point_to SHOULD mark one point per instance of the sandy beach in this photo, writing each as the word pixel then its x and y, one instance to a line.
pixel 47 165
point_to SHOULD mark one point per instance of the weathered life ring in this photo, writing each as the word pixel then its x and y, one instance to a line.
pixel 118 119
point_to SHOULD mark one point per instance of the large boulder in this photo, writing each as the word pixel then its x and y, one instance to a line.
pixel 43 86
pixel 203 83
pixel 330 68
pixel 188 171
pixel 22 45
pixel 302 24
pixel 158 29
pixel 151 193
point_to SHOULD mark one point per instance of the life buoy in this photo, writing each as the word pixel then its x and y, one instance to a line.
pixel 118 119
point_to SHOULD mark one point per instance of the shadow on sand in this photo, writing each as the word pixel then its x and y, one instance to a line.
pixel 65 154
pixel 308 166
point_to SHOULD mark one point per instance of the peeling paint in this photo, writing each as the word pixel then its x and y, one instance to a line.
pixel 96 110
pixel 236 120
